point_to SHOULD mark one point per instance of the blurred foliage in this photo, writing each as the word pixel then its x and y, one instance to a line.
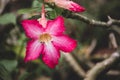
pixel 13 40
pixel 6 67
pixel 7 18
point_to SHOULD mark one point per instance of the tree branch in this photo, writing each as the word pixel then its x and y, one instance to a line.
pixel 74 64
pixel 113 41
pixel 102 66
pixel 3 3
pixel 92 21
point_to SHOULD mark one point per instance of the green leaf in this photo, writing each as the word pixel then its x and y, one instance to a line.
pixel 10 65
pixel 51 14
pixel 8 18
pixel 27 10
pixel 58 10
pixel 4 74
pixel 37 3
pixel 36 7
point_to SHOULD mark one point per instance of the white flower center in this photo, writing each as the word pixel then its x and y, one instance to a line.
pixel 45 37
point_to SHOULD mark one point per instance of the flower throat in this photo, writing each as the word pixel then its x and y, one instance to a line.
pixel 45 37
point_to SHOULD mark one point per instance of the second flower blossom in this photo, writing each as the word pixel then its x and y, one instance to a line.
pixel 67 4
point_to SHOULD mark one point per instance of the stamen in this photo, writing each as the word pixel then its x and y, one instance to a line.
pixel 45 37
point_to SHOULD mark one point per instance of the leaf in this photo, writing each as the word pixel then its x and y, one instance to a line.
pixel 37 3
pixel 10 65
pixel 4 74
pixel 7 18
pixel 27 10
pixel 36 7
pixel 51 14
pixel 58 10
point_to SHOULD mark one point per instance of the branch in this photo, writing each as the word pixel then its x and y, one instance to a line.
pixel 113 40
pixel 102 66
pixel 92 21
pixel 74 64
pixel 3 3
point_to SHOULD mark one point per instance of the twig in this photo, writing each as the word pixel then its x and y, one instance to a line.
pixel 114 72
pixel 102 66
pixel 91 48
pixel 113 40
pixel 3 3
pixel 92 21
pixel 74 64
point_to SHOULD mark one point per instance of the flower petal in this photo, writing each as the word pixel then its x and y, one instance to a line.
pixel 64 43
pixel 51 55
pixel 70 5
pixel 75 7
pixel 32 28
pixel 56 26
pixel 33 50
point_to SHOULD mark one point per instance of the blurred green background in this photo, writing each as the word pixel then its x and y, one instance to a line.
pixel 13 41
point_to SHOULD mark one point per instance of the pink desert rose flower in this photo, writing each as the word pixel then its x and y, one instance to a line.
pixel 47 40
pixel 67 4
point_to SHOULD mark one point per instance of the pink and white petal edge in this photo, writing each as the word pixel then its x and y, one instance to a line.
pixel 75 7
pixel 33 50
pixel 70 5
pixel 64 43
pixel 51 55
pixel 56 26
pixel 32 28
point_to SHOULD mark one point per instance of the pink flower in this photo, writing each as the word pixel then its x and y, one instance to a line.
pixel 67 4
pixel 47 39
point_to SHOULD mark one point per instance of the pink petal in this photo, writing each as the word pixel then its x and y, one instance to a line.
pixel 64 43
pixel 33 50
pixel 43 22
pixel 75 7
pixel 32 28
pixel 56 26
pixel 51 55
pixel 70 5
